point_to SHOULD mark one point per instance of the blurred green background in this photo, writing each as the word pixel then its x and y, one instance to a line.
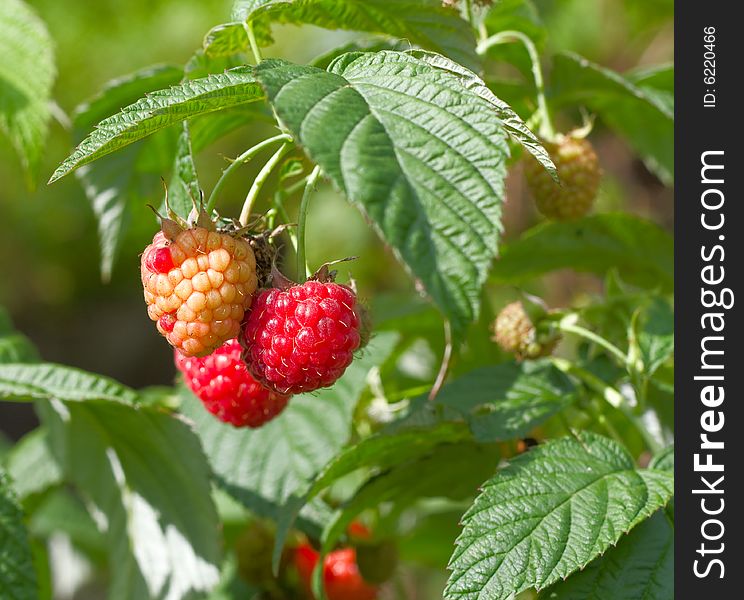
pixel 49 257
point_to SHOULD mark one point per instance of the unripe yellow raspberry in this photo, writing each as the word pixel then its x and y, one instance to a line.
pixel 198 283
pixel 515 333
pixel 579 173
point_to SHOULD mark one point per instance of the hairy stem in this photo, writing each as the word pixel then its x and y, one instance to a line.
pixel 253 42
pixel 260 180
pixel 503 37
pixel 301 223
pixel 241 160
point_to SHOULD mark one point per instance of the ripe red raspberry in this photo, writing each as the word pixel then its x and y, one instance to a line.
pixel 303 338
pixel 515 333
pixel 198 284
pixel 341 575
pixel 227 390
pixel 579 173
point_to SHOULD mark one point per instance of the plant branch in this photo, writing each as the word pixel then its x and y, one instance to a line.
pixel 568 327
pixel 235 164
pixel 446 358
pixel 503 37
pixel 301 223
pixel 260 180
pixel 253 42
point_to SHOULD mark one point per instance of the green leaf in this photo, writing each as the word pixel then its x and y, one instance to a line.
pixel 433 154
pixel 27 73
pixel 263 467
pixel 163 108
pixel 184 190
pixel 656 335
pixel 643 117
pixel 14 346
pixel 664 460
pixel 17 575
pixel 25 382
pixel 549 513
pixel 640 250
pixel 32 465
pixel 425 23
pixel 507 401
pixel 404 484
pixel 146 476
pixel 640 566
pixel 227 39
pixel 114 184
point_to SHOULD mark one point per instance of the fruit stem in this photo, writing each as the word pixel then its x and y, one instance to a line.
pixel 252 41
pixel 259 181
pixel 503 37
pixel 240 160
pixel 446 358
pixel 302 270
pixel 567 326
pixel 279 197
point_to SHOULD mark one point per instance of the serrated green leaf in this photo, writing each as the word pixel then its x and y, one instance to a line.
pixel 433 153
pixel 425 23
pixel 640 566
pixel 644 118
pixel 14 347
pixel 145 474
pixel 114 184
pixel 25 382
pixel 371 44
pixel 32 465
pixel 499 402
pixel 226 40
pixel 507 401
pixel 163 108
pixel 549 513
pixel 640 250
pixel 263 467
pixel 664 460
pixel 513 124
pixel 17 575
pixel 27 73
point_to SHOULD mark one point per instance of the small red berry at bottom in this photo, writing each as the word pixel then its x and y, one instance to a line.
pixel 341 575
pixel 226 388
pixel 302 339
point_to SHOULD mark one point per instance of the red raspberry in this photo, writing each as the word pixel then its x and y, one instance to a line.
pixel 227 390
pixel 303 338
pixel 341 575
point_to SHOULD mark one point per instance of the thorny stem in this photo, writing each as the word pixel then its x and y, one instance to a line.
pixel 241 160
pixel 502 37
pixel 261 178
pixel 301 222
pixel 446 358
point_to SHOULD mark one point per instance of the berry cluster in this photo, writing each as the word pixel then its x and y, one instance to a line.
pixel 244 352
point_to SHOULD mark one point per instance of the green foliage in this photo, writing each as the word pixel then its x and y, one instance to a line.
pixel 129 461
pixel 639 250
pixel 640 566
pixel 163 108
pixel 27 73
pixel 422 22
pixel 433 177
pixel 408 120
pixel 17 575
pixel 640 113
pixel 580 493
